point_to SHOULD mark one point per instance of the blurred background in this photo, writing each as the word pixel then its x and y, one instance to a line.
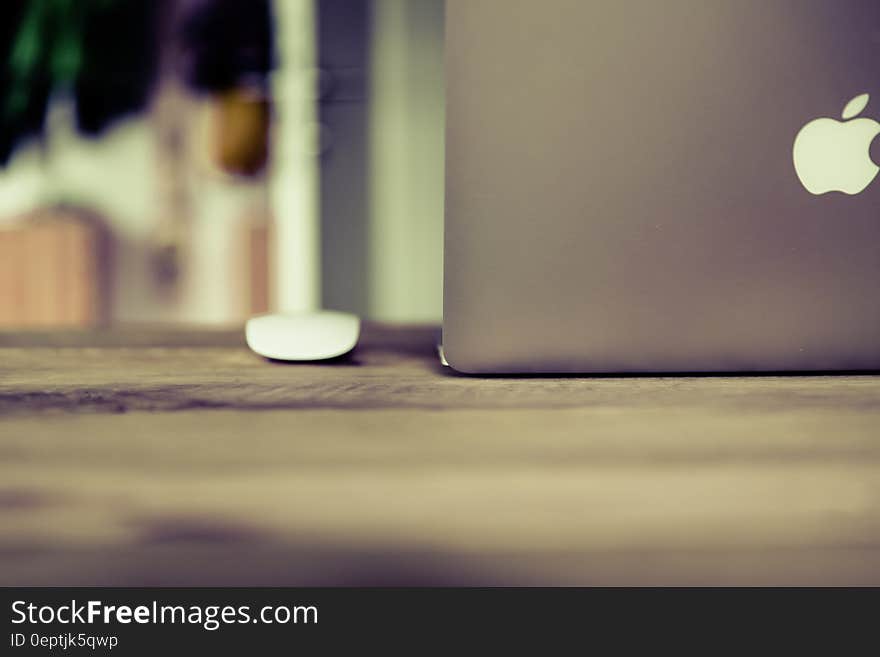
pixel 200 161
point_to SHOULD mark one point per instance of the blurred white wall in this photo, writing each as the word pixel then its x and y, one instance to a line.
pixel 406 161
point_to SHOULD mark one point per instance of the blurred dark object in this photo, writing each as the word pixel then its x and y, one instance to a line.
pixel 54 270
pixel 227 43
pixel 228 53
pixel 119 63
pixel 103 52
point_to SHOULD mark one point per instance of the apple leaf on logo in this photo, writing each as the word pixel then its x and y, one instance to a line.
pixel 855 106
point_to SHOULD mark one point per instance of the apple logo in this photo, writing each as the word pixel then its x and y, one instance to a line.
pixel 833 156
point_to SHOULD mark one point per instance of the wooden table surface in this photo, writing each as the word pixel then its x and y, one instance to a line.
pixel 156 457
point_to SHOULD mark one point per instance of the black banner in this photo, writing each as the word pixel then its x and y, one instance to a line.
pixel 333 621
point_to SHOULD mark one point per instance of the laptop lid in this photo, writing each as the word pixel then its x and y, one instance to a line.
pixel 622 193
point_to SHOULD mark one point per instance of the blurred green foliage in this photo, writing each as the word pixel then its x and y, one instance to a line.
pixel 98 51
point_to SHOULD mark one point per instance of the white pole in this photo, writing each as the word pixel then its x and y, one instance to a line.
pixel 293 186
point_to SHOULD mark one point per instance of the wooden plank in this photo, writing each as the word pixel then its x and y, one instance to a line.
pixel 51 272
pixel 11 286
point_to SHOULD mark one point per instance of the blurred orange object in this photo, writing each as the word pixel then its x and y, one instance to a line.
pixel 258 258
pixel 53 268
pixel 240 132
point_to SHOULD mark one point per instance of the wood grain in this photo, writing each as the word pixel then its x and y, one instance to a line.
pixel 52 271
pixel 165 457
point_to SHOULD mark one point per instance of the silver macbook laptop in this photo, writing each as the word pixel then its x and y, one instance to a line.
pixel 662 185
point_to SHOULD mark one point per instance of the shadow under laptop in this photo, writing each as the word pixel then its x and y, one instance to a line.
pixel 448 371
